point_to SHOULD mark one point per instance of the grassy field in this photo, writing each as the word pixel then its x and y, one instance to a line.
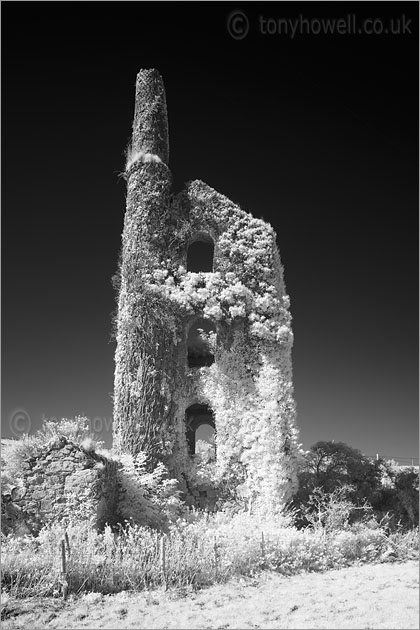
pixel 368 596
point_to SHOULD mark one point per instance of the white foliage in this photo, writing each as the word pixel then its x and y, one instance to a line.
pixel 147 498
pixel 140 156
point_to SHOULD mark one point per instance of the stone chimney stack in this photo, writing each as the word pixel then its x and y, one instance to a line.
pixel 150 125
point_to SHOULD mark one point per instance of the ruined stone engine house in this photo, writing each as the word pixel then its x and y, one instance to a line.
pixel 203 326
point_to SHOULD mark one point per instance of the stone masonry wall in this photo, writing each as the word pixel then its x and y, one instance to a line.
pixel 63 482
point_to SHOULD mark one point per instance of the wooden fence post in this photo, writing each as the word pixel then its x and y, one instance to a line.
pixel 216 555
pixel 66 539
pixel 163 560
pixel 63 574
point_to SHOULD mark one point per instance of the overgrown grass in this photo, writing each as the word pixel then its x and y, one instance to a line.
pixel 203 551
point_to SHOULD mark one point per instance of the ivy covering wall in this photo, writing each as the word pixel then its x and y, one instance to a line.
pixel 249 386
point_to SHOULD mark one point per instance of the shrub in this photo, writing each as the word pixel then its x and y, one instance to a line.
pixel 147 498
pixel 390 490
pixel 333 511
pixel 399 495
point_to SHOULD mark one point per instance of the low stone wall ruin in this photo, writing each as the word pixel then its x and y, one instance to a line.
pixel 64 481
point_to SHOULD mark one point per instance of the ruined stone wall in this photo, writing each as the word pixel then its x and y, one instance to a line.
pixel 249 387
pixel 63 482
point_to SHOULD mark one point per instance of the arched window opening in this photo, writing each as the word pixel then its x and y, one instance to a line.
pixel 200 428
pixel 205 444
pixel 199 351
pixel 200 254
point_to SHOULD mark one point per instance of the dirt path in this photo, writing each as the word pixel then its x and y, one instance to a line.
pixel 371 596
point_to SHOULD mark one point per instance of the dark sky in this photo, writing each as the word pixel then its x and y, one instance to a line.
pixel 316 133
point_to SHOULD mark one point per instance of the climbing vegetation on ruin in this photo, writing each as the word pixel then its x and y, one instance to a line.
pixel 146 498
pixel 249 386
